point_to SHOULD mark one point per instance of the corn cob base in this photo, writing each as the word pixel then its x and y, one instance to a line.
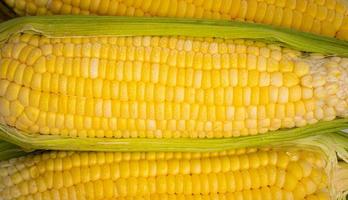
pixel 235 174
pixel 164 87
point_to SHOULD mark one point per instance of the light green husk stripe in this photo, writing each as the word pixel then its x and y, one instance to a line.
pixel 77 26
pixel 52 142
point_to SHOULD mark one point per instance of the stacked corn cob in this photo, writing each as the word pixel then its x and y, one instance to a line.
pixel 119 87
pixel 241 174
pixel 164 87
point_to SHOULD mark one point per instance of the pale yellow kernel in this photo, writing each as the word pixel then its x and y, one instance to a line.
pixel 283 160
pixel 276 54
pixel 16 108
pixel 253 78
pixel 301 68
pixel 273 94
pixel 286 65
pixel 262 64
pixel 318 80
pixel 5 107
pixel 276 79
pixel 272 65
pixel 299 192
pixel 17 48
pixel 331 88
pixel 264 79
pixel 320 92
pixel 290 79
pixel 283 96
pixel 295 93
pixel 12 91
pixel 280 178
pixel 329 113
pixel 290 182
pixel 307 93
pixel 11 70
pixel 309 185
pixel 265 52
pixel 307 81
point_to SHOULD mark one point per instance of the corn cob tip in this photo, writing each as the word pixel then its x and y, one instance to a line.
pixel 341 180
pixel 328 79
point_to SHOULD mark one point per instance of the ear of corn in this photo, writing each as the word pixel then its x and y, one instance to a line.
pixel 299 169
pixel 165 87
pixel 108 86
pixel 321 17
pixel 99 87
pixel 56 93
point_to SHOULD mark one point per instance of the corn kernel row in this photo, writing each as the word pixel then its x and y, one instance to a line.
pixel 294 174
pixel 266 89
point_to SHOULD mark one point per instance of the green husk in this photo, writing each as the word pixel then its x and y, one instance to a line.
pixel 78 26
pixel 8 150
pixel 52 142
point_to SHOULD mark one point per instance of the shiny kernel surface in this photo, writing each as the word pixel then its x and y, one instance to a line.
pixel 270 173
pixel 164 87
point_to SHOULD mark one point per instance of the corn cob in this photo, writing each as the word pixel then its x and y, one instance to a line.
pixel 164 86
pixel 248 173
pixel 326 17
pixel 113 175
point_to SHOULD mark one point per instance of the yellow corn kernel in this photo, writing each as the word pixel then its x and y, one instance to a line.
pixel 102 83
pixel 213 174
